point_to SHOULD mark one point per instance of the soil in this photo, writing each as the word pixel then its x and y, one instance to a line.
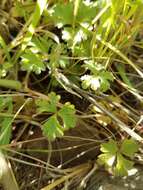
pixel 103 181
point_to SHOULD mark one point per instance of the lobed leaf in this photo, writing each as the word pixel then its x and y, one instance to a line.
pixel 32 62
pixel 129 147
pixel 67 113
pixel 52 128
pixel 106 159
pixel 122 166
pixel 109 147
pixel 48 106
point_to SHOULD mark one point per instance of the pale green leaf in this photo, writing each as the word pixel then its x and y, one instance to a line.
pixel 40 44
pixel 6 130
pixel 63 63
pixel 106 159
pixel 90 81
pixel 32 62
pixel 122 166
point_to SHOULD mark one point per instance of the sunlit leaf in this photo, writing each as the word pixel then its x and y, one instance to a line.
pixel 106 159
pixel 90 81
pixel 32 62
pixel 122 166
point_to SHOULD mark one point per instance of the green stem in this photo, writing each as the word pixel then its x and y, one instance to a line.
pixel 10 84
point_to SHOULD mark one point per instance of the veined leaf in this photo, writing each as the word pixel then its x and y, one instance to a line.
pixel 106 159
pixel 52 128
pixel 6 128
pixel 48 106
pixel 113 156
pixel 40 5
pixel 5 133
pixel 62 13
pixel 110 147
pixel 122 166
pixel 129 147
pixel 61 120
pixel 32 62
pixel 40 44
pixel 67 113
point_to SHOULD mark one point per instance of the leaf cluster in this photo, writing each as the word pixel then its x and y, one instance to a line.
pixel 118 157
pixel 60 120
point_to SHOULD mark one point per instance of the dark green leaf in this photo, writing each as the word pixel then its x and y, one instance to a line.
pixel 6 122
pixel 129 147
pixel 67 113
pixel 62 13
pixel 40 44
pixel 52 128
pixel 48 106
pixel 109 147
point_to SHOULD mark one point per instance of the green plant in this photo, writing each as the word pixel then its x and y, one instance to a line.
pixel 118 157
pixel 6 123
pixel 6 172
pixel 60 120
pixel 90 49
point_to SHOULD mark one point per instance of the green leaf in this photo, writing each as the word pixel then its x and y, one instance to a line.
pixel 99 79
pixel 63 63
pixel 5 49
pixel 6 130
pixel 6 122
pixel 52 128
pixel 113 159
pixel 40 6
pixel 60 120
pixel 40 44
pixel 12 84
pixel 129 147
pixel 86 12
pixel 48 106
pixel 62 14
pixel 122 72
pixel 94 67
pixel 4 68
pixel 67 113
pixel 32 62
pixel 122 166
pixel 105 78
pixel 106 159
pixel 109 147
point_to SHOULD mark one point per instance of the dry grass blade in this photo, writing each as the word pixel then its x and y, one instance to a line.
pixel 60 77
pixel 83 168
